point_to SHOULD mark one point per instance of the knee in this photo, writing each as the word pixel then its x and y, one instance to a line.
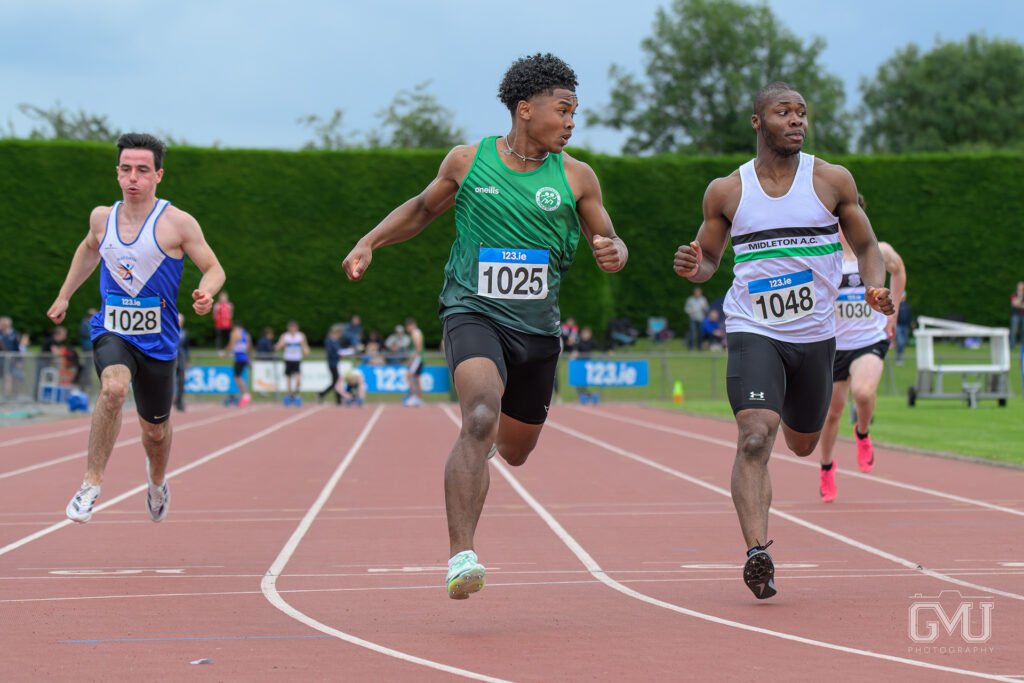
pixel 114 391
pixel 754 445
pixel 156 433
pixel 862 396
pixel 480 422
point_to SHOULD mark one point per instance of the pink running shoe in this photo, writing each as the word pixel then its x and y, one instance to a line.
pixel 865 452
pixel 245 400
pixel 828 484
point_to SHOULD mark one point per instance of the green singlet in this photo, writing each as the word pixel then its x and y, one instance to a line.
pixel 515 235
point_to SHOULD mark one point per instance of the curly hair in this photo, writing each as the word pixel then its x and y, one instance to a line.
pixel 533 75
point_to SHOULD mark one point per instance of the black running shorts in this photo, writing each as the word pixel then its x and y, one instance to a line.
pixel 526 362
pixel 240 366
pixel 292 367
pixel 793 380
pixel 844 359
pixel 152 379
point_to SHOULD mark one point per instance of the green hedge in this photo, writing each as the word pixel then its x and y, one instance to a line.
pixel 281 222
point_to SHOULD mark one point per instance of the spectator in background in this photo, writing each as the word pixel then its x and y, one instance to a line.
pixel 295 347
pixel 184 358
pixel 85 331
pixel 570 335
pixel 696 308
pixel 904 322
pixel 372 354
pixel 62 356
pixel 332 346
pixel 1017 315
pixel 240 343
pixel 620 333
pixel 712 330
pixel 415 366
pixel 353 388
pixel 353 334
pixel 396 346
pixel 9 345
pixel 223 318
pixel 265 344
pixel 584 347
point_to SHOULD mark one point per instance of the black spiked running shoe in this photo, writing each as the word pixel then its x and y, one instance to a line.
pixel 759 572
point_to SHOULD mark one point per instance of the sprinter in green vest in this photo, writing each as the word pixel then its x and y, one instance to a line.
pixel 520 204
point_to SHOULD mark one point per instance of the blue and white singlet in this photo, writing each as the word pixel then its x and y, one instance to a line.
pixel 139 288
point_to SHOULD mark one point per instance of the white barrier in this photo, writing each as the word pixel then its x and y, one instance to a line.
pixel 977 380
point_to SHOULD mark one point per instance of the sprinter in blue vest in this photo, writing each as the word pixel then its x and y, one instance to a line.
pixel 139 244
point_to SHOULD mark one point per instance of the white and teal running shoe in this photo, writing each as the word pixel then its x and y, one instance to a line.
pixel 465 575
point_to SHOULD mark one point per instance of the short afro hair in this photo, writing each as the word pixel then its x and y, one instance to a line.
pixel 533 75
pixel 768 93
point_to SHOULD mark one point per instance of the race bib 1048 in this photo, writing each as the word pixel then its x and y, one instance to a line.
pixel 853 307
pixel 776 300
pixel 513 273
pixel 127 315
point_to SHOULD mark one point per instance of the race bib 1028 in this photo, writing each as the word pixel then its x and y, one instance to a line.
pixel 513 273
pixel 779 299
pixel 127 315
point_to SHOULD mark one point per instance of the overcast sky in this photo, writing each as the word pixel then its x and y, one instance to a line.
pixel 242 72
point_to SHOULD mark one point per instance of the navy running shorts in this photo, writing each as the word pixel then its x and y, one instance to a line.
pixel 526 362
pixel 793 380
pixel 844 359
pixel 152 379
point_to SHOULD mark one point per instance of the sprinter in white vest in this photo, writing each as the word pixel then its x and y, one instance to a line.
pixel 139 244
pixel 782 210
pixel 862 340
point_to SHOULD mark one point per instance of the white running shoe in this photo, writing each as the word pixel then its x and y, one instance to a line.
pixel 158 498
pixel 80 508
pixel 465 575
pixel 158 501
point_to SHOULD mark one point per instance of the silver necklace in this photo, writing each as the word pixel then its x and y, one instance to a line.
pixel 523 157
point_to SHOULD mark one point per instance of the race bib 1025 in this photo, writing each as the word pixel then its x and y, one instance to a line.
pixel 513 273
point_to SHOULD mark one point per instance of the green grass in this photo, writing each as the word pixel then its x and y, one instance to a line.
pixel 946 426
pixel 987 431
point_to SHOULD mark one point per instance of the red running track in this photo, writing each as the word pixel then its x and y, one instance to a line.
pixel 311 544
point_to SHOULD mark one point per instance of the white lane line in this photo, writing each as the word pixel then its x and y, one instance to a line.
pixel 595 570
pixel 119 444
pixel 43 437
pixel 784 515
pixel 792 459
pixel 598 573
pixel 51 435
pixel 269 583
pixel 427 587
pixel 173 473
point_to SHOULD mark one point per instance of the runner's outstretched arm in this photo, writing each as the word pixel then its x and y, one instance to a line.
pixel 411 217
